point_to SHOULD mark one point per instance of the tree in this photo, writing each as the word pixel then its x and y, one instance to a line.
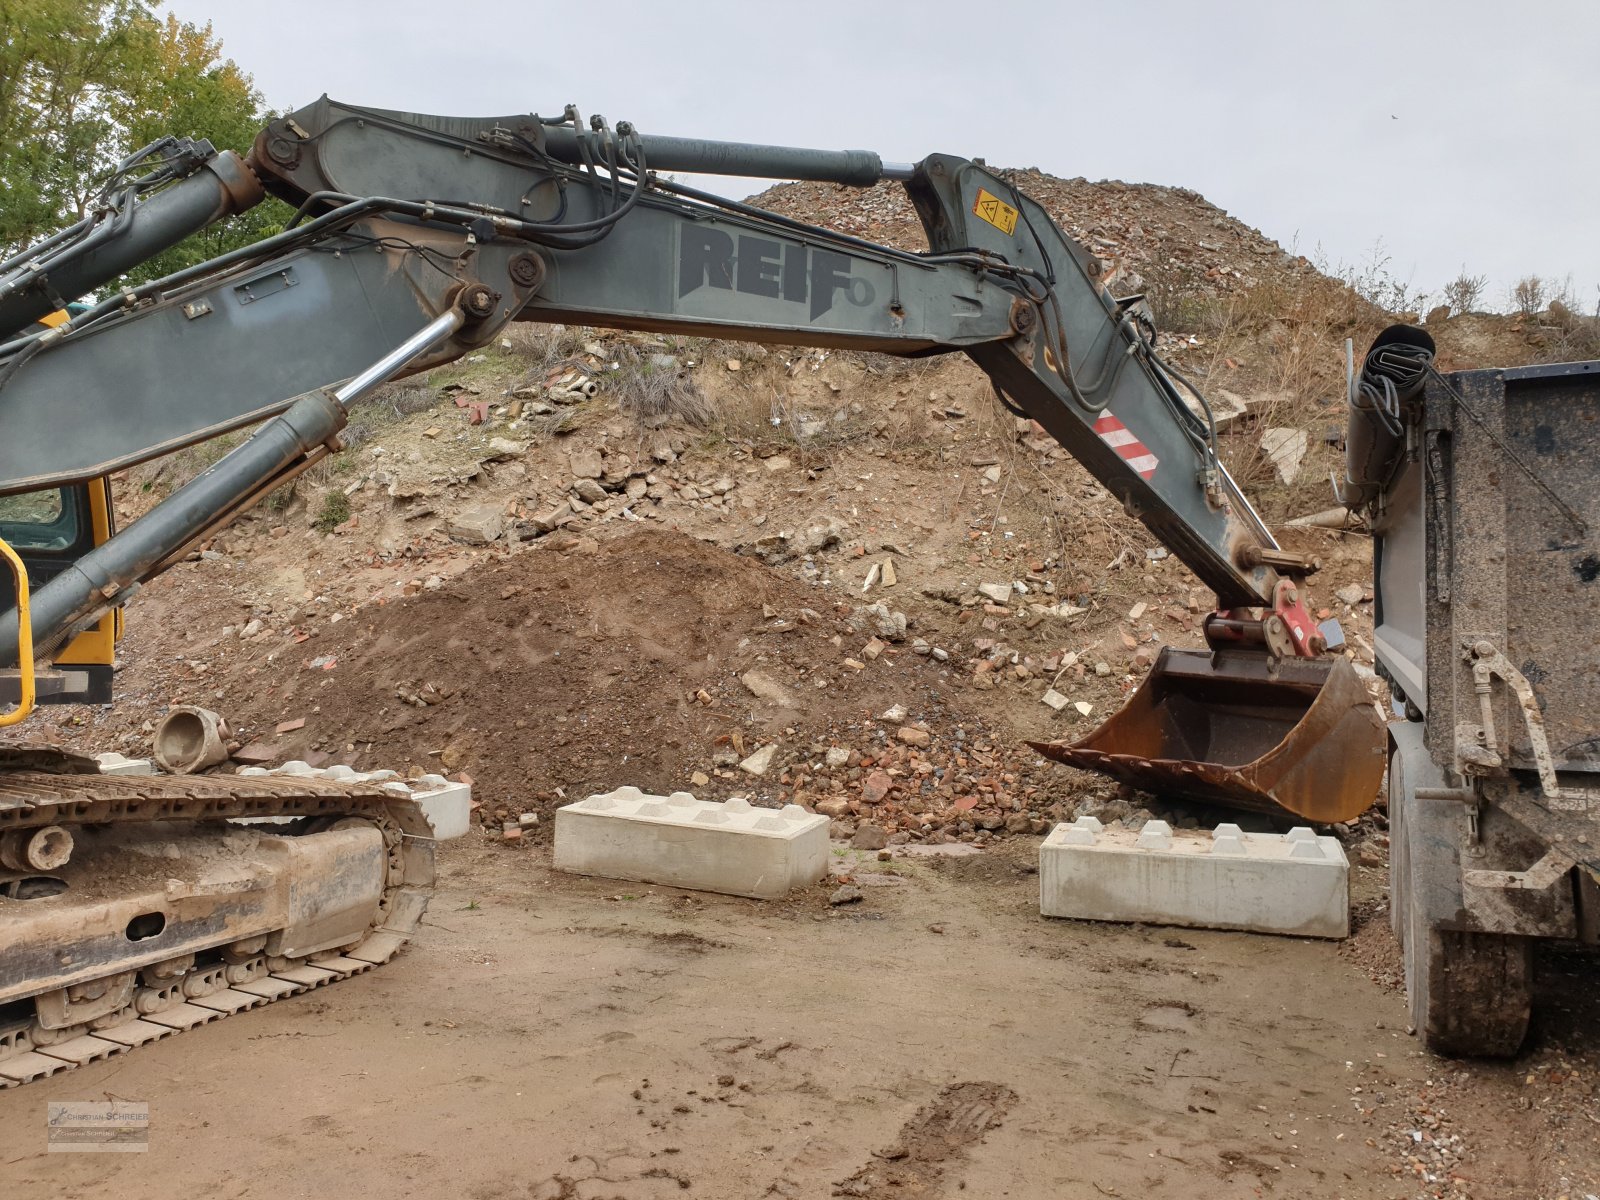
pixel 83 84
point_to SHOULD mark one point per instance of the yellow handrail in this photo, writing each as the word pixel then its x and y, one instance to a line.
pixel 19 573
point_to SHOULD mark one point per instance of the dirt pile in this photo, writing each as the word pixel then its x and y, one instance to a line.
pixel 667 663
pixel 1147 235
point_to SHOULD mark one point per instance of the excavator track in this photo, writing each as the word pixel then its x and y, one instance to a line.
pixel 210 987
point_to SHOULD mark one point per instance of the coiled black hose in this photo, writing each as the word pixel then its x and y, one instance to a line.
pixel 1392 376
pixel 1393 373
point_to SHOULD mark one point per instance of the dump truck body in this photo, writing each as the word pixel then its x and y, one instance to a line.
pixel 1487 562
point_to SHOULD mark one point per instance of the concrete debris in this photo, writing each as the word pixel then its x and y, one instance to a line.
pixel 764 687
pixel 1286 448
pixel 1053 699
pixel 1000 593
pixel 477 526
pixel 891 626
pixel 113 763
pixel 761 760
pixel 893 714
pixel 1057 610
pixel 1226 407
pixel 846 894
pixel 1331 518
pixel 818 538
pixel 551 519
pixel 501 449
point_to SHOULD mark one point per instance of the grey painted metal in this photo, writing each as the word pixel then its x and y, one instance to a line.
pixel 858 168
pixel 1400 562
pixel 334 131
pixel 670 265
pixel 1487 534
pixel 1504 564
pixel 223 186
pixel 99 579
pixel 233 351
pixel 673 267
pixel 1208 536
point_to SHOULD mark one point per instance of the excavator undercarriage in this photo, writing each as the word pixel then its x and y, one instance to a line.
pixel 136 906
pixel 130 907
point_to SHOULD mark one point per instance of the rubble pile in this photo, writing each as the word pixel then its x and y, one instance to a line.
pixel 1144 234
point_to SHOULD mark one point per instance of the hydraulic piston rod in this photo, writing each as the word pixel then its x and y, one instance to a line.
pixel 221 187
pixel 859 168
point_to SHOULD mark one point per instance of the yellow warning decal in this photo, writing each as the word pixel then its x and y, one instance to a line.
pixel 995 211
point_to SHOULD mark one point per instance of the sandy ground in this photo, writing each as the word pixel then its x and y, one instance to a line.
pixel 547 1036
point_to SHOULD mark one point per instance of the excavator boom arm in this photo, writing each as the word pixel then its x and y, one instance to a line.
pixel 403 217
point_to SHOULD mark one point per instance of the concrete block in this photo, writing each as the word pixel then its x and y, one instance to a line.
pixel 112 763
pixel 446 805
pixel 1295 883
pixel 680 841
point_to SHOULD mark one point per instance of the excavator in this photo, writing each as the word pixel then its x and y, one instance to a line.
pixel 133 907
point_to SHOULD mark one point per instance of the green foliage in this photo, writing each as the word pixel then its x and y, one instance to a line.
pixel 83 84
pixel 335 512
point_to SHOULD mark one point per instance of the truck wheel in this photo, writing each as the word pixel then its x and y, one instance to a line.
pixel 1470 994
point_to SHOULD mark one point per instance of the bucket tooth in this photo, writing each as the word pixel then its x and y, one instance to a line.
pixel 1242 730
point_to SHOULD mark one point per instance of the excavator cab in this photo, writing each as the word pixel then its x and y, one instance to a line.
pixel 47 531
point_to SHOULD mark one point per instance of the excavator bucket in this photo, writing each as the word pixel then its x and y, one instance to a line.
pixel 1239 729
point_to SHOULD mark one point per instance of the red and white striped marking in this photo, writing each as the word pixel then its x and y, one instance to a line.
pixel 1121 439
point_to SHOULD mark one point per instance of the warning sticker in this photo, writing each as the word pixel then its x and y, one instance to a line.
pixel 1127 445
pixel 995 211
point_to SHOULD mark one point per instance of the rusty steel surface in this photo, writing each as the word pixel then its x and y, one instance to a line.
pixel 33 798
pixel 335 896
pixel 1230 728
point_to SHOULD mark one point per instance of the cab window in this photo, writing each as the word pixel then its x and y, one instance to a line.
pixel 41 521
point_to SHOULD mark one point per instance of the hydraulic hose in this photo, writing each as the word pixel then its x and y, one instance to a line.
pixel 1395 369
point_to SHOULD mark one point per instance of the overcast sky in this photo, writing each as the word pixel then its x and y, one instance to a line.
pixel 1441 135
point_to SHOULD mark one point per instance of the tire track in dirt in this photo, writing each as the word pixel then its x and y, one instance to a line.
pixel 931 1142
